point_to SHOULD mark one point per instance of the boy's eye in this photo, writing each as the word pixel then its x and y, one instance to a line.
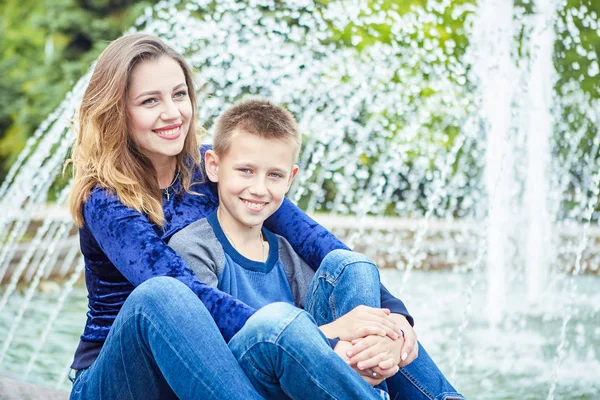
pixel 275 175
pixel 245 170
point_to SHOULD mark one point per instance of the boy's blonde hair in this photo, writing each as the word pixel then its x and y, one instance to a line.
pixel 104 153
pixel 256 117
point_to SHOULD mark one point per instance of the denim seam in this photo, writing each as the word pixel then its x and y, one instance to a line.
pixel 78 382
pixel 190 370
pixel 344 265
pixel 298 362
pixel 311 304
pixel 414 381
pixel 332 306
pixel 271 341
pixel 118 335
pixel 333 280
pixel 292 357
pixel 453 396
pixel 287 325
pixel 274 343
pixel 254 365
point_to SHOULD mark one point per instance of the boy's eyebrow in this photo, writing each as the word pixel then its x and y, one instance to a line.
pixel 279 170
pixel 153 92
pixel 243 164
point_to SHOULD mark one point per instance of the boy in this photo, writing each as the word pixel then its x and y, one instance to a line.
pixel 253 160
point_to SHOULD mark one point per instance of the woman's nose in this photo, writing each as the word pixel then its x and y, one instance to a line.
pixel 170 111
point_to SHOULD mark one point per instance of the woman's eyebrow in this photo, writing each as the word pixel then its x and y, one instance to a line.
pixel 153 92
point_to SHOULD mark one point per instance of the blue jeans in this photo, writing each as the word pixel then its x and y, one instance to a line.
pixel 165 345
pixel 345 280
pixel 285 355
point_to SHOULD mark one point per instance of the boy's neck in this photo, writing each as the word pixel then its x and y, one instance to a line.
pixel 247 240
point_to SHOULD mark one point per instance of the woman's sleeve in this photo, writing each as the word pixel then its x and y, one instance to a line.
pixel 313 242
pixel 128 239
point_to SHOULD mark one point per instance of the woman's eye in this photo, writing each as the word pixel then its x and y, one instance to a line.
pixel 150 101
pixel 180 94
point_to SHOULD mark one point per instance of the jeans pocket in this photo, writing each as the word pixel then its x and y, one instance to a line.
pixel 73 375
pixel 78 381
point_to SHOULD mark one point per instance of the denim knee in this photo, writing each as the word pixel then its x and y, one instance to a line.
pixel 268 323
pixel 158 291
pixel 337 262
pixel 340 256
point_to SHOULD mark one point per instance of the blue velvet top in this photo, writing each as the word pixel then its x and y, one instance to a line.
pixel 122 249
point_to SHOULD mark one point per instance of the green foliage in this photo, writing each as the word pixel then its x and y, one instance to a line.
pixel 46 46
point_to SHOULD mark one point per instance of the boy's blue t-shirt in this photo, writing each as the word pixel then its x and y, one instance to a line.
pixel 284 276
pixel 255 283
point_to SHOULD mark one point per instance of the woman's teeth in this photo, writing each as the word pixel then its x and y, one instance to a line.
pixel 169 132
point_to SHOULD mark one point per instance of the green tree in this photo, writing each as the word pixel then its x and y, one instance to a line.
pixel 45 47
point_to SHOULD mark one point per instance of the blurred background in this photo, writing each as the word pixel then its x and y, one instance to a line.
pixel 455 142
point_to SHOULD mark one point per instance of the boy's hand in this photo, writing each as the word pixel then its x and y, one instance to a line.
pixel 362 321
pixel 372 376
pixel 367 348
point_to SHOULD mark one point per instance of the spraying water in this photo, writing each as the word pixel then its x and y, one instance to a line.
pixel 437 134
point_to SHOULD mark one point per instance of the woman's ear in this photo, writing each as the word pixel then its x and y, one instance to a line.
pixel 211 164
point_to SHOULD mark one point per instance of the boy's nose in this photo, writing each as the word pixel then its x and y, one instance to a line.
pixel 258 187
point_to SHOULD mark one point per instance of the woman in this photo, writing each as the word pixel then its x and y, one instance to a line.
pixel 137 181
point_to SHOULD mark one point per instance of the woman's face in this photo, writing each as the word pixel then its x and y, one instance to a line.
pixel 159 109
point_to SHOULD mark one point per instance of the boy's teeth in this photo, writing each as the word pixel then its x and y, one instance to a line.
pixel 253 205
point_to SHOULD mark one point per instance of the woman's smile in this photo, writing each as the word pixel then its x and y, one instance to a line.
pixel 170 132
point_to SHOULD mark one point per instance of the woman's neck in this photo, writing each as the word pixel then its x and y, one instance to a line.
pixel 165 171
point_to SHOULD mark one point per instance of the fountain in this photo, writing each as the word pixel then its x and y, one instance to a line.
pixel 436 138
pixel 493 65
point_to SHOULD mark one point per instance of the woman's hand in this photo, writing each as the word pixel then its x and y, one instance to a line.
pixel 410 349
pixel 374 351
pixel 372 376
pixel 362 321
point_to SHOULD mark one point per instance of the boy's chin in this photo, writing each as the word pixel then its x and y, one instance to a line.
pixel 256 222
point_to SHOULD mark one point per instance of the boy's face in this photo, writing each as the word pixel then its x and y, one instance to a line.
pixel 253 176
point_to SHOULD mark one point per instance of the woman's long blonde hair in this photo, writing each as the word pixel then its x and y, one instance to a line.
pixel 104 153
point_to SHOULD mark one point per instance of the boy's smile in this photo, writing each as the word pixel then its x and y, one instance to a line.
pixel 253 177
pixel 255 206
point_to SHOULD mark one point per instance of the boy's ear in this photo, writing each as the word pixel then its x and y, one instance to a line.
pixel 211 164
pixel 295 169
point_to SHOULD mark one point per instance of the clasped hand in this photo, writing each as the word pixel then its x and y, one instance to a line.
pixel 374 342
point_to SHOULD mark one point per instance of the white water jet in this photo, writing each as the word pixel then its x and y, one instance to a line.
pixel 540 124
pixel 60 302
pixel 495 70
pixel 378 140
